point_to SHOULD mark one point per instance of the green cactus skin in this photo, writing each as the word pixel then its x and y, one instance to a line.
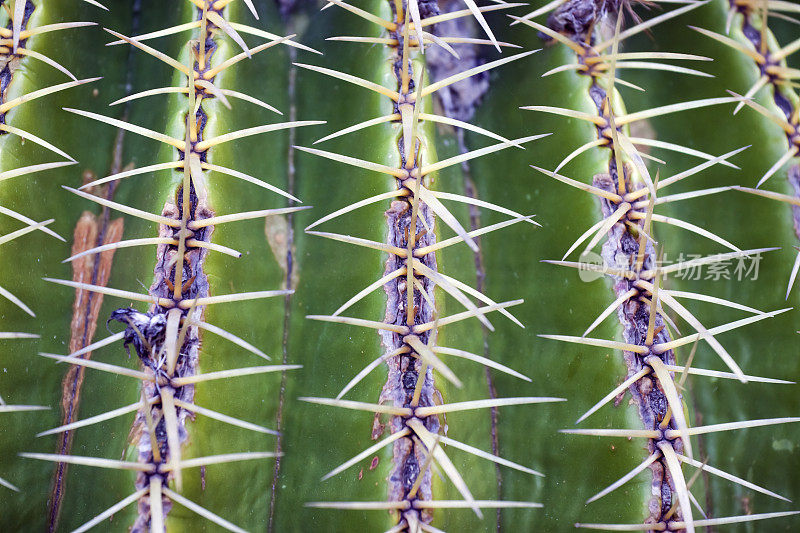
pixel 245 157
pixel 341 434
pixel 400 471
pixel 35 255
pixel 736 72
pixel 696 135
pixel 269 494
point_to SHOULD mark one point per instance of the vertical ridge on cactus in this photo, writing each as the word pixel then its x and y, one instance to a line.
pixel 200 143
pixel 626 151
pixel 159 335
pixel 413 304
pixel 21 85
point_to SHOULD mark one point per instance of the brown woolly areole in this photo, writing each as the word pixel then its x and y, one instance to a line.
pixel 621 250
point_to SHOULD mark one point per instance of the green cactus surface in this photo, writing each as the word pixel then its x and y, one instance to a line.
pixel 399 265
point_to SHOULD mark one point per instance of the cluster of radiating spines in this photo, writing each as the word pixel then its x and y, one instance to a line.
pixel 167 337
pixel 14 55
pixel 410 329
pixel 752 37
pixel 628 197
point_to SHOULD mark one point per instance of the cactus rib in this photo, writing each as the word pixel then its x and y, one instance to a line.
pixel 628 195
pixel 17 49
pixel 167 338
pixel 409 331
pixel 748 24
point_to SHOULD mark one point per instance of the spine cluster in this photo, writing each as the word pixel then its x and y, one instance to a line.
pixel 411 325
pixel 167 338
pixel 410 301
pixel 748 25
pixel 628 195
pixel 627 249
pixel 644 327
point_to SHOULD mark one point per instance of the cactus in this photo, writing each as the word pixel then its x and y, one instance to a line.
pixel 330 183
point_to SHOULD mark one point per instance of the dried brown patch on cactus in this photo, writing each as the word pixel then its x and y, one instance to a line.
pixel 277 232
pixel 94 269
pixel 459 100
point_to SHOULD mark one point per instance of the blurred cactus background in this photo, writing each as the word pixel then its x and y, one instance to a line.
pixel 399 265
